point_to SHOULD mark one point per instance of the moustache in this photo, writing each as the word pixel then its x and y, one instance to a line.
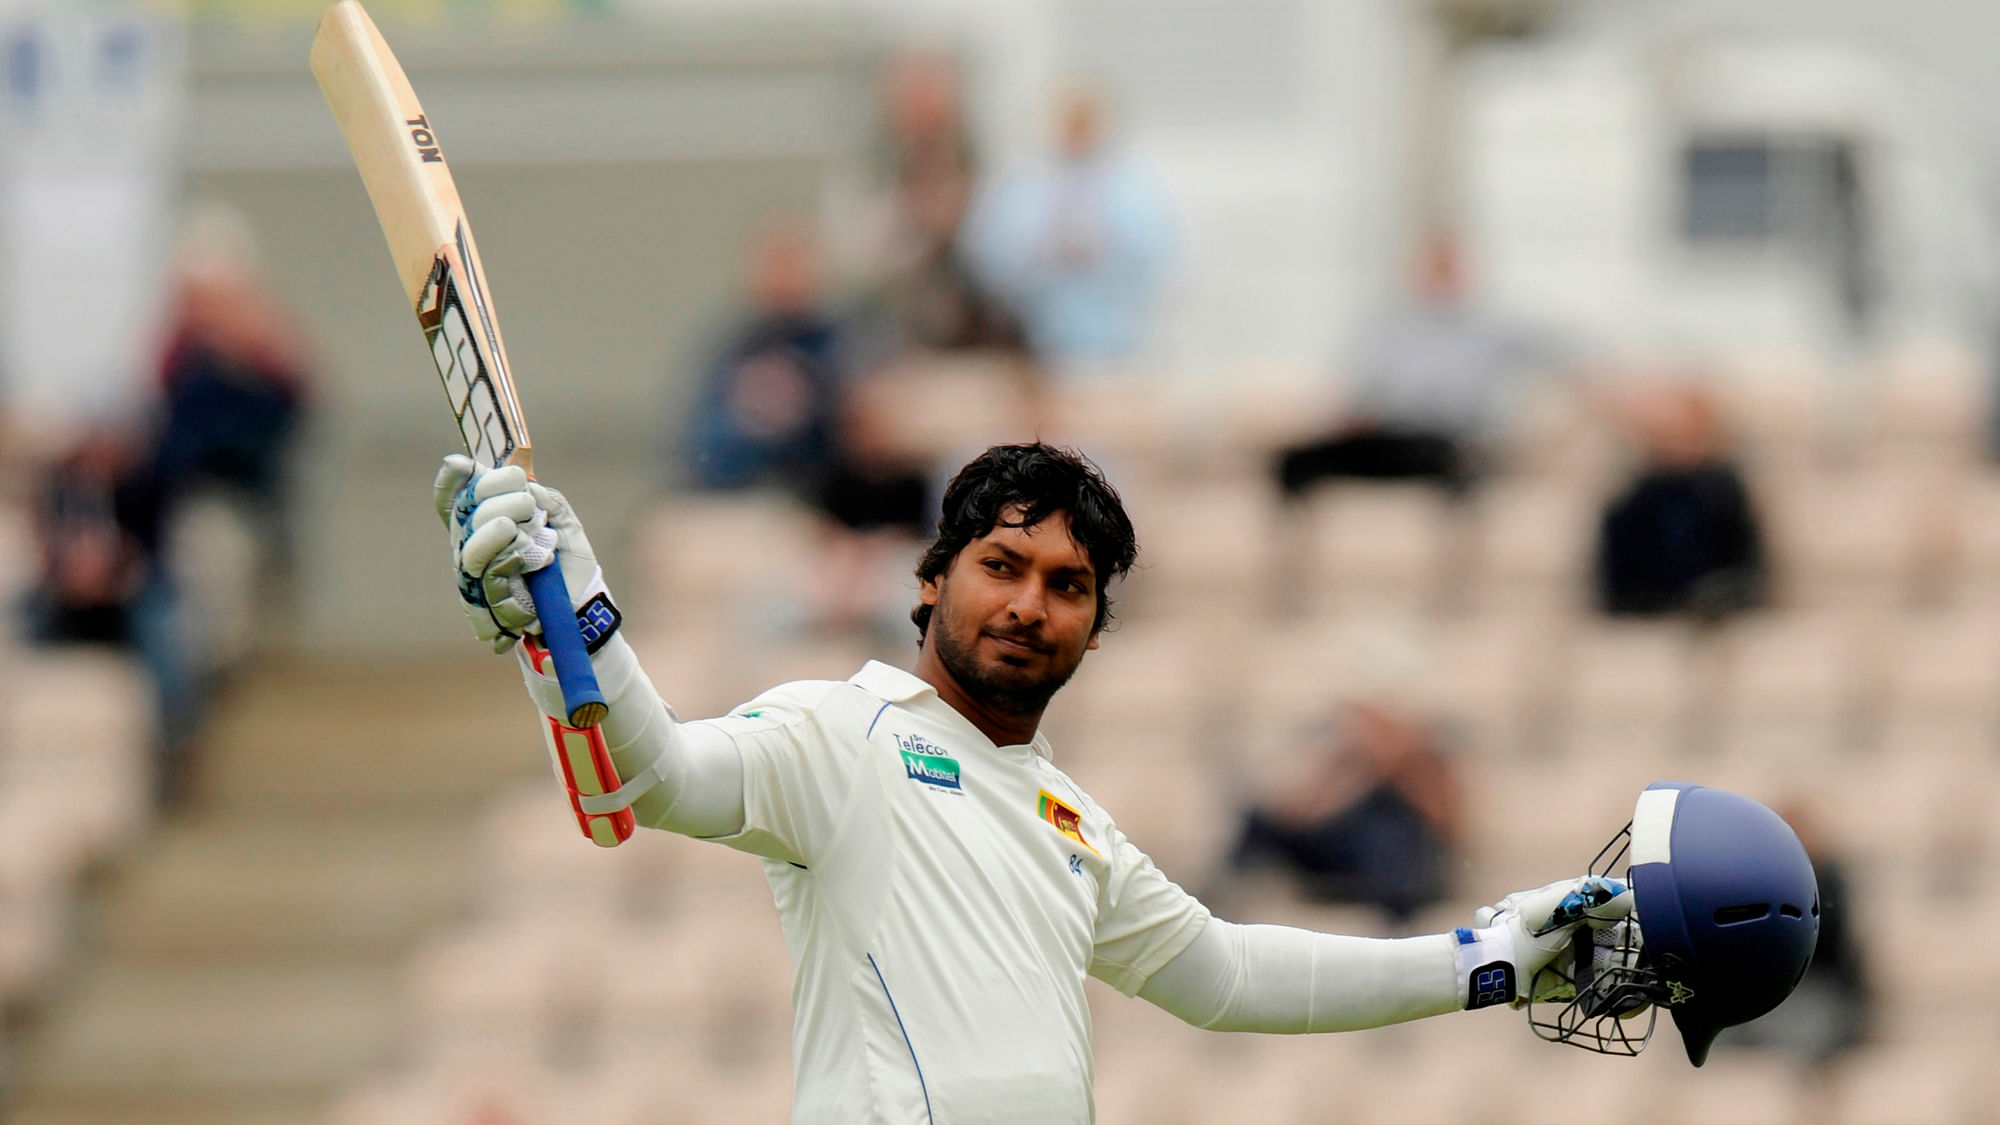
pixel 1032 638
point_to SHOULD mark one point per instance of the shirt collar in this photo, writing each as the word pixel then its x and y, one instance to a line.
pixel 897 686
pixel 890 682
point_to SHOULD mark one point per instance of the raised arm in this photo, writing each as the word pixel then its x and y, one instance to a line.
pixel 685 778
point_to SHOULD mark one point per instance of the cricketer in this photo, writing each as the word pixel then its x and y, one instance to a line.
pixel 944 887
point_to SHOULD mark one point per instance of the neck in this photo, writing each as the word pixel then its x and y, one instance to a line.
pixel 1003 727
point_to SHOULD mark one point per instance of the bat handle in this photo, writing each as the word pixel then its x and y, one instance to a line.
pixel 583 702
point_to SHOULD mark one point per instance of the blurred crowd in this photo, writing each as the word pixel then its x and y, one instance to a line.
pixel 154 535
pixel 942 270
pixel 1010 298
pixel 955 304
pixel 125 502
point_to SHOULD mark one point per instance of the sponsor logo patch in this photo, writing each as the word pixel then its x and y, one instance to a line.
pixel 923 762
pixel 1491 984
pixel 1066 820
pixel 597 620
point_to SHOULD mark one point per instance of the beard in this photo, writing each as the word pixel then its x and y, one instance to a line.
pixel 1014 691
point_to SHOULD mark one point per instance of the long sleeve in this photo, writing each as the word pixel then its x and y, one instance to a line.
pixel 692 774
pixel 1288 981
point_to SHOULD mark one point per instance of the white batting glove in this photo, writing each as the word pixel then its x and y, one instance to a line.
pixel 1512 941
pixel 502 526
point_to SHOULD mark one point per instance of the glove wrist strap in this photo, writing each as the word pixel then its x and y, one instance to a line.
pixel 597 618
pixel 1485 963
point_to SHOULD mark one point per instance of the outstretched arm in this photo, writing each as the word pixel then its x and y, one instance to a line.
pixel 1287 980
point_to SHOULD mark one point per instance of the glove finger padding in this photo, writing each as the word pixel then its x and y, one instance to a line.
pixel 495 526
pixel 451 479
pixel 496 482
pixel 504 526
pixel 1531 929
pixel 1591 900
pixel 477 553
pixel 511 507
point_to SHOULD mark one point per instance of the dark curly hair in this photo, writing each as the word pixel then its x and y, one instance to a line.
pixel 1039 480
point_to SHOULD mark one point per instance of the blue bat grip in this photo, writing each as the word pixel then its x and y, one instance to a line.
pixel 582 700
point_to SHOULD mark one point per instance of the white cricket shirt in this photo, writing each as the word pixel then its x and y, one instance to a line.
pixel 943 899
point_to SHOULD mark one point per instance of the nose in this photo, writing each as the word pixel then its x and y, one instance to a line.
pixel 1029 604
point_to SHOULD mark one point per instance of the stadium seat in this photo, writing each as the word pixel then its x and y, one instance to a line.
pixel 704 556
pixel 1792 682
pixel 39 863
pixel 1122 419
pixel 1777 405
pixel 537 864
pixel 1554 434
pixel 1370 546
pixel 80 722
pixel 1204 545
pixel 1267 406
pixel 1179 809
pixel 1634 688
pixel 700 668
pixel 491 1092
pixel 1927 400
pixel 493 990
pixel 1944 666
pixel 1534 542
pixel 1735 1088
pixel 1912 1085
pixel 1924 794
pixel 947 407
pixel 1852 536
pixel 1493 674
pixel 1978 580
pixel 1149 674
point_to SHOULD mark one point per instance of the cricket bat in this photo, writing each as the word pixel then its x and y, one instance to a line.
pixel 395 147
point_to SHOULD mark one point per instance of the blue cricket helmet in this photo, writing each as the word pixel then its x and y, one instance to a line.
pixel 1725 918
pixel 1728 905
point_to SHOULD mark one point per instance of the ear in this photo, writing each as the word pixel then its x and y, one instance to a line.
pixel 928 590
pixel 1092 646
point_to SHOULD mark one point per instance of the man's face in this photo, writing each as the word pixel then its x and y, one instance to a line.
pixel 1014 613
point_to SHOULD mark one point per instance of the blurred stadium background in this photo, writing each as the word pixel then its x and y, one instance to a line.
pixel 324 876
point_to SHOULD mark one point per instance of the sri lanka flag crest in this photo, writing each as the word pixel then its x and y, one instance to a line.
pixel 1066 820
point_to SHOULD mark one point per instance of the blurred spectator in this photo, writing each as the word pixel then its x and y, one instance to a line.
pixel 1080 246
pixel 924 165
pixel 1829 1012
pixel 921 295
pixel 780 407
pixel 876 510
pixel 234 376
pixel 765 412
pixel 1682 534
pixel 875 482
pixel 1430 383
pixel 1374 818
pixel 99 518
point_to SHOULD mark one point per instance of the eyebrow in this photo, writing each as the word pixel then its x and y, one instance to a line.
pixel 1014 556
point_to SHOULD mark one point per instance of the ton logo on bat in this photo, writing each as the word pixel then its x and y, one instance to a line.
pixel 424 139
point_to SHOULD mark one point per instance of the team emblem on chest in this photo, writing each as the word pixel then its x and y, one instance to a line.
pixel 1066 820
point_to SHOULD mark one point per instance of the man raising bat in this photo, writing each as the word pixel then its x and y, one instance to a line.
pixel 944 886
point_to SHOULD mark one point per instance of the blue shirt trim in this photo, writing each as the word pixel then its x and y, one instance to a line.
pixel 876 719
pixel 921 1085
